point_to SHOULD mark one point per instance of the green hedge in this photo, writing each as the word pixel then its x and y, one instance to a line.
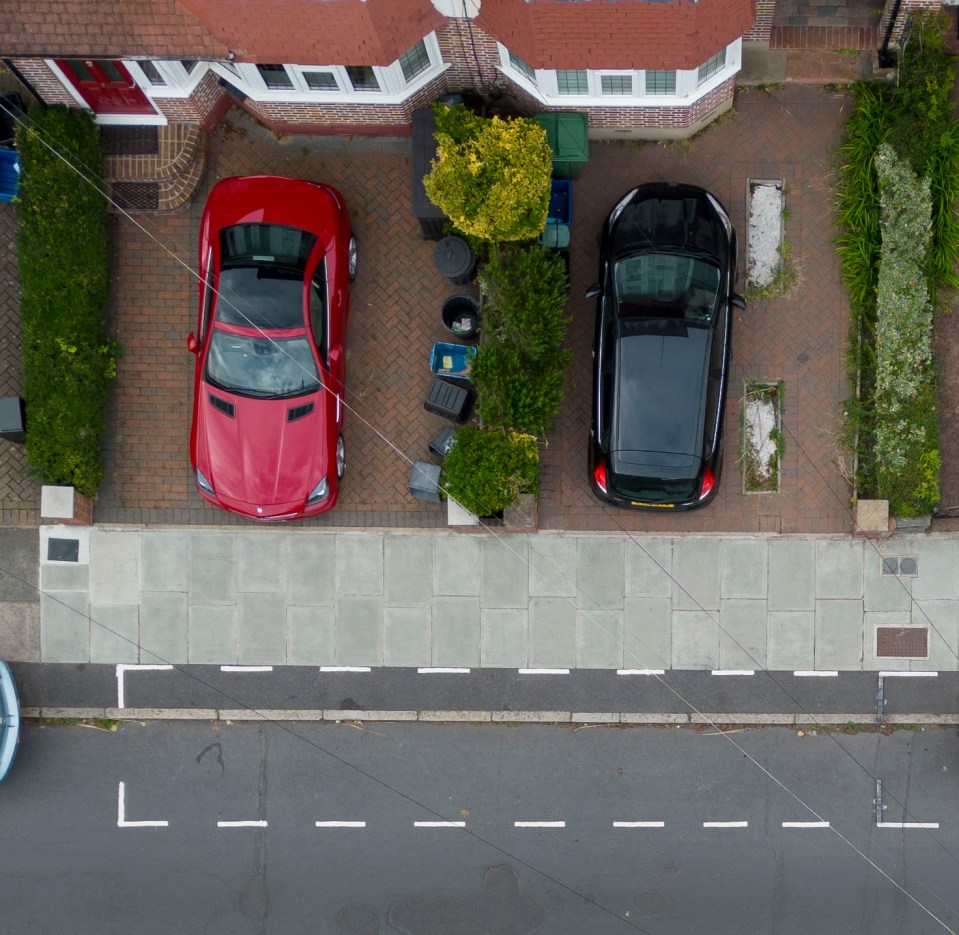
pixel 915 117
pixel 67 360
pixel 487 469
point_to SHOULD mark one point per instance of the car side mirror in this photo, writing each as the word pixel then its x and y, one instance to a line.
pixel 191 344
pixel 594 290
pixel 737 300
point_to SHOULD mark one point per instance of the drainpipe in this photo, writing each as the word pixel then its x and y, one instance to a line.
pixel 886 59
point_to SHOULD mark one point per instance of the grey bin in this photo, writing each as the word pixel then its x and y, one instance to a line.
pixel 13 419
pixel 425 481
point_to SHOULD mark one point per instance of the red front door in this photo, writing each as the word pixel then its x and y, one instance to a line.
pixel 106 86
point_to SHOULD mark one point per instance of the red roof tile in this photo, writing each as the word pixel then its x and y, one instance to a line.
pixel 625 34
pixel 105 29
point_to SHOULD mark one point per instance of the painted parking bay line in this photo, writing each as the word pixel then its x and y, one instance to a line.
pixel 439 824
pixel 242 824
pixel 805 824
pixel 122 813
pixel 124 667
pixel 639 824
pixel 929 825
pixel 340 824
pixel 246 668
pixel 539 824
pixel 725 824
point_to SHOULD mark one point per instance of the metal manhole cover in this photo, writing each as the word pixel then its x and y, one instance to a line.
pixel 902 642
pixel 63 550
pixel 130 141
pixel 142 196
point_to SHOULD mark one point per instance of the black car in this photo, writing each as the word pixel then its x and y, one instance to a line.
pixel 661 350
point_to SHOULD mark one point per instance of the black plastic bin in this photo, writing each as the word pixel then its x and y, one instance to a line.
pixel 13 419
pixel 449 400
pixel 461 316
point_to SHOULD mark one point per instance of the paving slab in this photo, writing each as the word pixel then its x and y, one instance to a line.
pixel 212 634
pixel 792 574
pixel 744 568
pixel 839 568
pixel 552 560
pixel 839 634
pixel 885 592
pixel 456 631
pixel 358 634
pixel 696 573
pixel 359 563
pixel 938 578
pixel 309 569
pixel 600 564
pixel 647 633
pixel 408 570
pixel 20 631
pixel 115 633
pixel 790 640
pixel 261 561
pixel 504 574
pixel 503 638
pixel 649 563
pixel 212 572
pixel 114 566
pixel 65 634
pixel 407 636
pixel 65 577
pixel 164 559
pixel 456 565
pixel 599 639
pixel 20 551
pixel 742 640
pixel 942 618
pixel 164 627
pixel 260 628
pixel 552 633
pixel 695 641
pixel 310 635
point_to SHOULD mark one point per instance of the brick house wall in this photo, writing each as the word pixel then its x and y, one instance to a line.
pixel 763 26
pixel 907 7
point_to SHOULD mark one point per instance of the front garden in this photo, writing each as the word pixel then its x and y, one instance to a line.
pixel 492 178
pixel 899 248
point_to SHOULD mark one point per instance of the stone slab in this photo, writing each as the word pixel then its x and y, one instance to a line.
pixel 164 560
pixel 164 627
pixel 114 566
pixel 456 631
pixel 408 570
pixel 696 573
pixel 551 563
pixel 65 577
pixel 744 568
pixel 115 633
pixel 552 633
pixel 212 571
pixel 885 593
pixel 742 640
pixel 839 635
pixel 212 634
pixel 456 565
pixel 407 635
pixel 600 571
pixel 503 638
pixel 359 563
pixel 20 631
pixel 839 568
pixel 938 578
pixel 695 642
pixel 358 634
pixel 790 640
pixel 942 618
pixel 65 627
pixel 20 549
pixel 310 635
pixel 261 561
pixel 260 628
pixel 309 568
pixel 647 633
pixel 599 639
pixel 792 574
pixel 649 562
pixel 504 575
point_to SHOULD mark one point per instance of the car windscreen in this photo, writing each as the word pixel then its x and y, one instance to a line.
pixel 261 367
pixel 671 284
pixel 262 268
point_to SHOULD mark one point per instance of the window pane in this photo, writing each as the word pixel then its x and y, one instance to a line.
pixel 522 67
pixel 571 81
pixel 321 81
pixel 275 76
pixel 188 65
pixel 617 84
pixel 80 70
pixel 152 72
pixel 362 78
pixel 111 71
pixel 711 66
pixel 414 61
pixel 660 82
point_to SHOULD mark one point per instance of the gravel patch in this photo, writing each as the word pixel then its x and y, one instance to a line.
pixel 763 257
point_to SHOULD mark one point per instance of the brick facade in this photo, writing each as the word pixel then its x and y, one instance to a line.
pixel 764 22
pixel 907 7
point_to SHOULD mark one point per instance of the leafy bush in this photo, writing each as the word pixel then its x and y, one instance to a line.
pixel 67 361
pixel 519 370
pixel 486 469
pixel 905 400
pixel 491 176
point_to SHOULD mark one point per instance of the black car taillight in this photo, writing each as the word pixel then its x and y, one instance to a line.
pixel 599 475
pixel 708 481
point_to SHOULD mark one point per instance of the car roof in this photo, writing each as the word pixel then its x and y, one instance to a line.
pixel 658 408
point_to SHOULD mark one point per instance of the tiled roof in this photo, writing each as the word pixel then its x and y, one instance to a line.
pixel 104 29
pixel 626 34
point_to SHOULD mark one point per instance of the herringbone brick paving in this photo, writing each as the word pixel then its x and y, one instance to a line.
pixel 395 319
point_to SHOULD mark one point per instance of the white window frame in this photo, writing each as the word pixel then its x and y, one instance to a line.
pixel 394 88
pixel 688 89
pixel 179 82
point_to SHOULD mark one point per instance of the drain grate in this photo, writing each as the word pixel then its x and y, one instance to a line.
pixel 902 642
pixel 130 141
pixel 905 566
pixel 137 196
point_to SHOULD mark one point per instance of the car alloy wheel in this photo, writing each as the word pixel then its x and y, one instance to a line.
pixel 353 258
pixel 340 457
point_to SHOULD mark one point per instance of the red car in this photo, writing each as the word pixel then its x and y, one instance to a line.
pixel 277 256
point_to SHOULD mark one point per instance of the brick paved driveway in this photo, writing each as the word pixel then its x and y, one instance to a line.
pixel 395 318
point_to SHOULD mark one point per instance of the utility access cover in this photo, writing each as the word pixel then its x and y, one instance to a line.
pixel 902 642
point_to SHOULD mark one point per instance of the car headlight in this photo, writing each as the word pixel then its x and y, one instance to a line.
pixel 320 491
pixel 203 483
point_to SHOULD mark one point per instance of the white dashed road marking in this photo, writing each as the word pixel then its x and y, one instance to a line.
pixel 815 673
pixel 241 824
pixel 805 824
pixel 344 668
pixel 640 671
pixel 639 824
pixel 340 824
pixel 246 668
pixel 122 816
pixel 539 824
pixel 908 824
pixel 733 672
pixel 908 675
pixel 439 824
pixel 725 824
pixel 442 670
pixel 544 671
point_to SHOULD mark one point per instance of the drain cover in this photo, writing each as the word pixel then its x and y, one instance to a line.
pixel 130 141
pixel 902 642
pixel 63 550
pixel 144 196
